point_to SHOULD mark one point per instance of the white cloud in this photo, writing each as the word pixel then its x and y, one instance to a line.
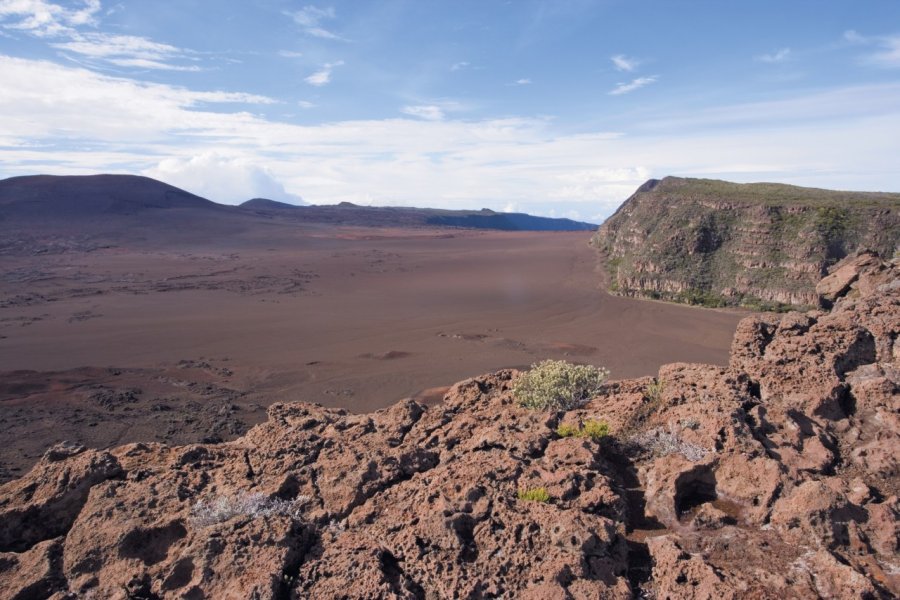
pixel 100 45
pixel 459 66
pixel 597 182
pixel 310 19
pixel 289 54
pixel 634 84
pixel 323 75
pixel 305 104
pixel 854 37
pixel 624 63
pixel 523 81
pixel 42 18
pixel 887 54
pixel 135 111
pixel 780 55
pixel 429 112
pixel 223 179
pixel 143 63
pixel 846 140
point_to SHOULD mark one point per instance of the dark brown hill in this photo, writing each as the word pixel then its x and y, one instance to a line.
pixel 91 196
pixel 266 204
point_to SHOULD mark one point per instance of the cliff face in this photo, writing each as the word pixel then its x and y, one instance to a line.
pixel 716 243
pixel 774 477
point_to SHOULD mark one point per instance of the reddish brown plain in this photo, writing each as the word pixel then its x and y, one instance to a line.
pixel 183 338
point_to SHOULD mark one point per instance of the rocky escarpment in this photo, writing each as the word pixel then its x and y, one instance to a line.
pixel 760 245
pixel 773 477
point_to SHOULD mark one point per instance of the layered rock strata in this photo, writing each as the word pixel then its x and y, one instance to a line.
pixel 760 245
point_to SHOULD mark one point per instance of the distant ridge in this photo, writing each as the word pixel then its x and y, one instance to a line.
pixel 760 245
pixel 510 222
pixel 347 213
pixel 115 202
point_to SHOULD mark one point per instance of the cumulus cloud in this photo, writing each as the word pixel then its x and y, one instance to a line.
pixel 323 75
pixel 523 81
pixel 227 180
pixel 634 84
pixel 597 182
pixel 624 63
pixel 780 55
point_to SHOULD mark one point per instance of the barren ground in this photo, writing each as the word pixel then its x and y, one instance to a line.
pixel 181 340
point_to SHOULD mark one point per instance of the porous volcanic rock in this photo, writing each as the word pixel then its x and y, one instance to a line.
pixel 773 477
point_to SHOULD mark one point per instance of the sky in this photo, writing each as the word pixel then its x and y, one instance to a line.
pixel 553 107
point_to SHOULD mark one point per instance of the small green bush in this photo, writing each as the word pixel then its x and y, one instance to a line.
pixel 595 429
pixel 558 385
pixel 590 429
pixel 567 430
pixel 534 495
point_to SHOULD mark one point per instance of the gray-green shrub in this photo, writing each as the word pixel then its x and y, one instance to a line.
pixel 558 385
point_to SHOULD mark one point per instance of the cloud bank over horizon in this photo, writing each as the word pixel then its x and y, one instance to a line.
pixel 349 113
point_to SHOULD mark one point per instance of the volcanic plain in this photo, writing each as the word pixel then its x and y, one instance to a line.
pixel 182 330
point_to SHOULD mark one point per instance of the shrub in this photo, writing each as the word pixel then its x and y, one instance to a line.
pixel 534 495
pixel 653 391
pixel 595 429
pixel 590 429
pixel 558 385
pixel 567 430
pixel 223 508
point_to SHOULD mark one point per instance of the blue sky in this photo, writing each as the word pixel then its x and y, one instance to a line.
pixel 557 108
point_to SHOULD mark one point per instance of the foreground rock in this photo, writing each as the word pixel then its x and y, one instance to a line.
pixel 774 477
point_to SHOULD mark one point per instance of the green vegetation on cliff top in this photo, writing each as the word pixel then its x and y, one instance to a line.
pixel 769 194
pixel 760 245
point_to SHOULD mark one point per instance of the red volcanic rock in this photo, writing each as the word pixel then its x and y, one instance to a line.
pixel 774 477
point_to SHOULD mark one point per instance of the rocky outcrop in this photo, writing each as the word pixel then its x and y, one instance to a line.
pixel 773 477
pixel 759 245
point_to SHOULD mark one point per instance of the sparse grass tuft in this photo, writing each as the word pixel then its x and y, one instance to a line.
pixel 558 385
pixel 654 391
pixel 593 429
pixel 534 495
pixel 567 430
